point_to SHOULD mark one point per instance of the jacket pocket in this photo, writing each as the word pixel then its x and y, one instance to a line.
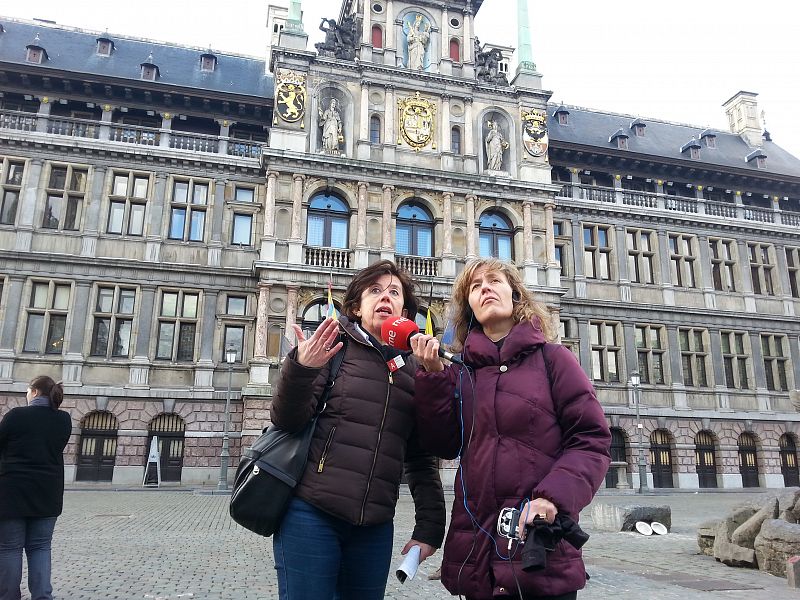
pixel 322 458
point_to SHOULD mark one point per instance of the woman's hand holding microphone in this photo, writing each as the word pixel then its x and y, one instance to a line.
pixel 426 349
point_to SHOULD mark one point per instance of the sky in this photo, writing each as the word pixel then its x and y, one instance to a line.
pixel 676 61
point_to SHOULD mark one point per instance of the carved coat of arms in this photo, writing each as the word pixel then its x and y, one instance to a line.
pixel 534 133
pixel 417 121
pixel 290 96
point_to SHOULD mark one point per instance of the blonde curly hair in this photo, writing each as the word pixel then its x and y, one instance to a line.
pixel 526 308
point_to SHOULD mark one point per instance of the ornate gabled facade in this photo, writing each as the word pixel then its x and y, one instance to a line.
pixel 155 215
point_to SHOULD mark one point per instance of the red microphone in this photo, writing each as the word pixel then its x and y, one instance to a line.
pixel 398 331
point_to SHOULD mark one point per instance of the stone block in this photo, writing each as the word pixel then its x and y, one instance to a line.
pixel 609 517
pixel 706 533
pixel 745 534
pixel 793 572
pixel 775 544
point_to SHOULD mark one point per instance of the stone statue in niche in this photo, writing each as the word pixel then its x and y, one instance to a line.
pixel 341 39
pixel 496 145
pixel 331 122
pixel 417 39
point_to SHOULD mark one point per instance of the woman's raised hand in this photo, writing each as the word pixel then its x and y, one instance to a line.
pixel 426 349
pixel 317 350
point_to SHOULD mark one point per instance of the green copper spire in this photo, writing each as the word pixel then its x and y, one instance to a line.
pixel 524 48
pixel 294 22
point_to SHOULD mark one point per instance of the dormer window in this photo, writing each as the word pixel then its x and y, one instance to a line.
pixel 709 138
pixel 35 53
pixel 621 139
pixel 149 69
pixel 759 156
pixel 208 63
pixel 104 46
pixel 562 114
pixel 693 146
pixel 638 127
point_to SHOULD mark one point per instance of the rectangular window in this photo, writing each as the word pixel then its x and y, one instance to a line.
pixel 773 349
pixel 128 203
pixel 605 350
pixel 244 194
pixel 177 325
pixel 641 255
pixel 10 190
pixel 188 214
pixel 563 243
pixel 568 333
pixel 793 265
pixel 597 251
pixel 237 305
pixel 47 317
pixel 694 356
pixel 735 359
pixel 723 261
pixel 761 266
pixel 113 322
pixel 234 340
pixel 242 229
pixel 66 193
pixel 683 256
pixel 650 349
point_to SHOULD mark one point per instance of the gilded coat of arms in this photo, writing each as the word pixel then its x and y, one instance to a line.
pixel 534 133
pixel 417 118
pixel 290 96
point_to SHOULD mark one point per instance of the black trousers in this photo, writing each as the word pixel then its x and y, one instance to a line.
pixel 567 596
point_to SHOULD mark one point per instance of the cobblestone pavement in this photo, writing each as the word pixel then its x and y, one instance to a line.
pixel 166 545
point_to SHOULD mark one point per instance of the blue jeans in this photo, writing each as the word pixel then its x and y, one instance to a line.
pixel 35 536
pixel 320 557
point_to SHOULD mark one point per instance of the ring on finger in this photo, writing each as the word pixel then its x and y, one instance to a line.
pixel 327 348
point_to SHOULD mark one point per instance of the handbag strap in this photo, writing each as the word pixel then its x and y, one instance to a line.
pixel 336 363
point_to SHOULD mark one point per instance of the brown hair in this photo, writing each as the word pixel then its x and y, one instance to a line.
pixel 366 277
pixel 45 386
pixel 526 308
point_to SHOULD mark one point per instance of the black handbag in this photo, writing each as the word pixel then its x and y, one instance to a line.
pixel 271 468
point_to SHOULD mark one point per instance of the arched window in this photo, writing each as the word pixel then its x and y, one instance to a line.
pixel 375 129
pixel 414 230
pixel 97 450
pixel 496 236
pixel 377 36
pixel 704 458
pixel 455 140
pixel 455 50
pixel 314 314
pixel 170 432
pixel 748 460
pixel 791 476
pixel 328 220
pixel 661 459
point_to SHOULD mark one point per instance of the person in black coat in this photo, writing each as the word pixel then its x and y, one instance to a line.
pixel 32 442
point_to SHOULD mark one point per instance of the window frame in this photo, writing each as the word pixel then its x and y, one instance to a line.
pixel 129 202
pixel 375 129
pixel 641 260
pixel 494 235
pixel 683 264
pixel 115 317
pixel 694 358
pixel 177 320
pixel 594 251
pixel 793 268
pixel 600 350
pixel 190 208
pixel 762 267
pixel 66 196
pixel 415 227
pixel 455 140
pixel 775 363
pixel 47 313
pixel 648 355
pixel 329 216
pixel 8 187
pixel 562 247
pixel 735 363
pixel 722 253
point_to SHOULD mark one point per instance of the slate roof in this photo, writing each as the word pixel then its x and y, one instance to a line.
pixel 588 127
pixel 75 50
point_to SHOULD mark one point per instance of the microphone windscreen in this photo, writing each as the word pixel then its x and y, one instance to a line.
pixel 396 331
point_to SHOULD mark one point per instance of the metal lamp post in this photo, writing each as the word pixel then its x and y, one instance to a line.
pixel 635 381
pixel 225 455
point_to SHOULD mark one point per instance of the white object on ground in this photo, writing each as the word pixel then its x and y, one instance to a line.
pixel 659 528
pixel 644 528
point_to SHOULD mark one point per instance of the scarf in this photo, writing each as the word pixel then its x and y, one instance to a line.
pixel 40 401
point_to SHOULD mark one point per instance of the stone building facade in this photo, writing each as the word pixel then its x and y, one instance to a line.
pixel 154 216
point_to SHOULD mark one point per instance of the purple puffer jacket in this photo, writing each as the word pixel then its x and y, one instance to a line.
pixel 527 443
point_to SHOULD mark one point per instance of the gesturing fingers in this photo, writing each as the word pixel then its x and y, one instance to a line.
pixel 317 349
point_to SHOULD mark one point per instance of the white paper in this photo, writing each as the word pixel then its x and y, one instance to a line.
pixel 408 568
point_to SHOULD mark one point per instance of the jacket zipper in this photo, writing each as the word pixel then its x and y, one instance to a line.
pixel 325 450
pixel 377 447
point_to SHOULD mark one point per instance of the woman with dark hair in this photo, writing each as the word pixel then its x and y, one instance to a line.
pixel 336 538
pixel 524 420
pixel 32 442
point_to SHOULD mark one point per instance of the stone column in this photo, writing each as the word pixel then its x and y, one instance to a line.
pixel 444 144
pixel 166 129
pixel 553 266
pixel 362 252
pixel 105 122
pixel 469 128
pixel 268 240
pixel 155 226
pixel 747 279
pixel 224 135
pixel 585 347
pixel 530 272
pixel 471 246
pixel 625 278
pixel 259 366
pixel 94 199
pixel 8 327
pixel 295 237
pixel 291 312
pixel 364 151
pixel 706 276
pixel 139 372
pixel 468 53
pixel 389 37
pixel 631 355
pixel 72 365
pixel 204 368
pixel 676 369
pixel 667 290
pixel 366 24
pixel 448 258
pixel 720 386
pixel 387 250
pixel 217 216
pixel 43 114
pixel 783 286
pixel 27 206
pixel 759 372
pixel 577 253
pixel 445 62
pixel 389 119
